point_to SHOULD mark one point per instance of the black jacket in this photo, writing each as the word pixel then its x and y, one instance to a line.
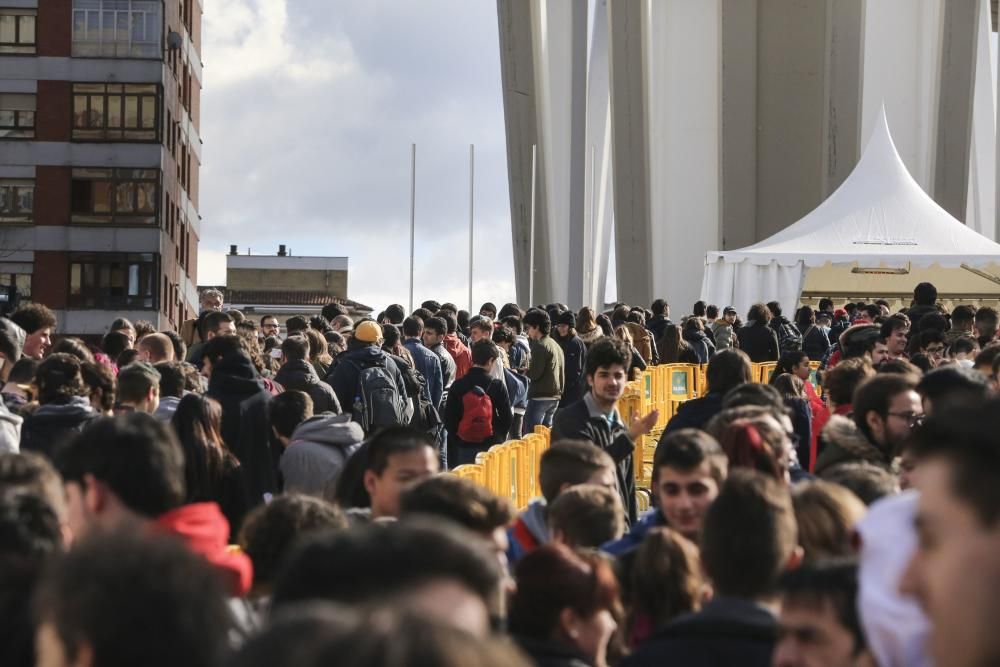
pixel 48 428
pixel 583 421
pixel 702 346
pixel 726 632
pixel 495 389
pixel 759 342
pixel 814 343
pixel 246 428
pixel 574 364
pixel 657 324
pixel 694 413
pixel 300 375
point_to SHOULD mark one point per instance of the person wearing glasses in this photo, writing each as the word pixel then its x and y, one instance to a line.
pixel 886 408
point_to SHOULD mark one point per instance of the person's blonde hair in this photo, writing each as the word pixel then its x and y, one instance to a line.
pixel 624 334
pixel 826 514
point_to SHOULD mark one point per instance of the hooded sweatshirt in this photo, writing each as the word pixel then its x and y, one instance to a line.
pixel 246 428
pixel 50 426
pixel 205 531
pixel 299 374
pixel 317 451
pixel 10 430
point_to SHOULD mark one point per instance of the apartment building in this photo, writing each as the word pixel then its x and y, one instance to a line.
pixel 99 158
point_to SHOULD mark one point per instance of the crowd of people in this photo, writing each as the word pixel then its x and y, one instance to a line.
pixel 244 492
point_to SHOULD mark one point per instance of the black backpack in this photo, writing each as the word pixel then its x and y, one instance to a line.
pixel 425 415
pixel 789 338
pixel 377 403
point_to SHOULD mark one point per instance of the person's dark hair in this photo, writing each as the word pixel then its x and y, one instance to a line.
pixel 483 351
pixel 659 307
pixel 804 317
pixel 711 311
pixel 726 370
pixel 126 357
pixel 775 308
pixel 135 455
pixel 514 322
pixel 122 324
pixel 606 352
pixel 114 343
pixel 437 325
pixel 468 504
pixel 289 409
pixel 197 423
pixel 832 583
pixel 135 600
pixel 431 305
pixel 135 381
pixel 462 318
pixel 509 310
pixel 295 324
pixel 539 319
pixel 553 578
pixel 787 362
pixel 449 320
pixel 172 378
pixel 29 527
pixel 965 437
pixel 100 383
pixel 586 515
pixel 844 378
pixel 687 448
pixel 826 514
pixel 319 324
pixel 33 316
pixel 867 481
pixel 962 345
pixel 987 319
pixel 569 462
pixel 295 348
pixel 759 313
pixel 925 294
pixel 789 386
pixel 378 562
pixel 28 472
pixel 928 336
pixel 270 531
pixel 964 314
pixel 73 346
pixel 900 367
pixel 222 346
pixel 504 334
pixel 875 395
pixel 483 324
pixel 347 490
pixel 934 322
pixel 24 370
pixel 489 308
pixel 764 395
pixel 332 311
pixel 58 378
pixel 859 339
pixel 826 304
pixel 394 440
pixel 748 535
pixel 214 319
pixel 413 326
pixel 180 348
pixel 893 323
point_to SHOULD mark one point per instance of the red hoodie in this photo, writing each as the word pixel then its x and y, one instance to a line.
pixel 460 353
pixel 205 530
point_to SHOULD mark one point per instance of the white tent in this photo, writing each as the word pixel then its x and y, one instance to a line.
pixel 878 234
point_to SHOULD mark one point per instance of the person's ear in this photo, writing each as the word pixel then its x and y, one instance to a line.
pixel 569 623
pixel 875 422
pixel 370 481
pixel 795 558
pixel 95 494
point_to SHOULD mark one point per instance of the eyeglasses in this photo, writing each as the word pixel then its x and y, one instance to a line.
pixel 912 419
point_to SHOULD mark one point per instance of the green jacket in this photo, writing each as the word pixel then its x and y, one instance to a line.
pixel 546 370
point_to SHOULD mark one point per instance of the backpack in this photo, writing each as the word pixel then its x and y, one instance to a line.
pixel 789 338
pixel 377 403
pixel 425 415
pixel 477 416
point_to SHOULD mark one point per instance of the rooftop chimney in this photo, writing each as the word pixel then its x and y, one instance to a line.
pixel 281 251
pixel 232 250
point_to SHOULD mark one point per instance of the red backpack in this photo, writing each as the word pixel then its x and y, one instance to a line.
pixel 477 416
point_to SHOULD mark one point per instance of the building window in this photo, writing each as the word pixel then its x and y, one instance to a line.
pixel 21 281
pixel 117 28
pixel 115 112
pixel 17 200
pixel 17 31
pixel 116 196
pixel 17 116
pixel 112 280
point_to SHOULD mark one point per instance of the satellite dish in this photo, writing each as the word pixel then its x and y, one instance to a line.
pixel 174 40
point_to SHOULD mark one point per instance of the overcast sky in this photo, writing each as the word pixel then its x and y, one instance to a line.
pixel 309 109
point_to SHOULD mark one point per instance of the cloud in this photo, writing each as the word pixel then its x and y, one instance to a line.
pixel 308 115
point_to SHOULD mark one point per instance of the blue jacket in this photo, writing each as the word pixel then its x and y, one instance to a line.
pixel 429 365
pixel 632 539
pixel 694 413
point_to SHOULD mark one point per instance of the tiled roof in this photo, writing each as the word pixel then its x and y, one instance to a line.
pixel 288 298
